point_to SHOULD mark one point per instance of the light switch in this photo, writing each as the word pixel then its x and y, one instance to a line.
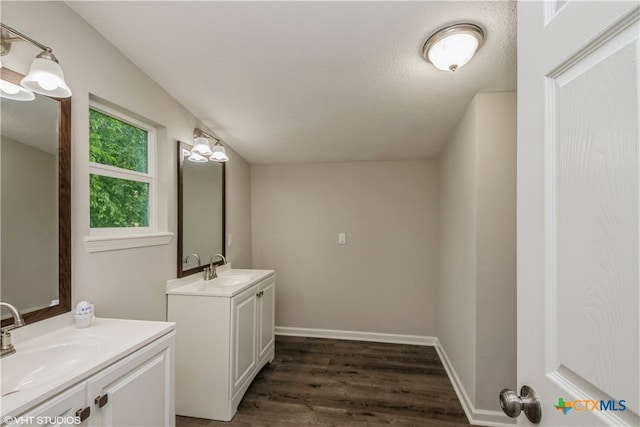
pixel 230 240
pixel 342 238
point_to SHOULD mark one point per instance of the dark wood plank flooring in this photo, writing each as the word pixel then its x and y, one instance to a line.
pixel 323 382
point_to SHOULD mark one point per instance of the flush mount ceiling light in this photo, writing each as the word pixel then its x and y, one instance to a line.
pixel 45 74
pixel 451 47
pixel 202 149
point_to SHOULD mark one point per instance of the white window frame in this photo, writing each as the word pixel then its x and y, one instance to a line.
pixel 111 238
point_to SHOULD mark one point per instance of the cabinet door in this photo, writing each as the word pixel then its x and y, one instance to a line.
pixel 243 339
pixel 267 307
pixel 62 410
pixel 138 391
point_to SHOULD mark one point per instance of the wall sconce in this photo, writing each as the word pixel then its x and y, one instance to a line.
pixel 202 150
pixel 451 47
pixel 45 74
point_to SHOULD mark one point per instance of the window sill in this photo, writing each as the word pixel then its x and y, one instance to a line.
pixel 114 243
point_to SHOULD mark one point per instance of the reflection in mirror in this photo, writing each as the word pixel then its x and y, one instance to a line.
pixel 201 207
pixel 35 204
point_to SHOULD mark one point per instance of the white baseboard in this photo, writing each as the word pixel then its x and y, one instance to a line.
pixel 356 336
pixel 480 417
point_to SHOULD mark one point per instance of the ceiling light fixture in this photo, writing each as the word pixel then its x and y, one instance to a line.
pixel 451 47
pixel 45 74
pixel 202 148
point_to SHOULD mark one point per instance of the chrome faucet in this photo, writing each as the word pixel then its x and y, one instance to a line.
pixel 186 259
pixel 210 272
pixel 6 348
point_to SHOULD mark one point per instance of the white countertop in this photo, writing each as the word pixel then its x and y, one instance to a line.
pixel 195 284
pixel 106 341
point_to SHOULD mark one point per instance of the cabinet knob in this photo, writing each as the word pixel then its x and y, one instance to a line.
pixel 101 400
pixel 83 414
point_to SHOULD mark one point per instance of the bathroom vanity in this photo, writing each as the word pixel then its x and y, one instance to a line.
pixel 225 335
pixel 113 373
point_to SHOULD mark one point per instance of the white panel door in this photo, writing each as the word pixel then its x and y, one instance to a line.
pixel 266 334
pixel 578 210
pixel 244 311
pixel 134 396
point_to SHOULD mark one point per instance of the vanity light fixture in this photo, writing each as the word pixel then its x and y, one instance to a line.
pixel 202 149
pixel 452 47
pixel 17 93
pixel 45 74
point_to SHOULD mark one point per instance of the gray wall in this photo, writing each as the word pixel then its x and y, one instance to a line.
pixel 477 236
pixel 126 283
pixel 383 279
pixel 239 211
pixel 495 247
pixel 456 295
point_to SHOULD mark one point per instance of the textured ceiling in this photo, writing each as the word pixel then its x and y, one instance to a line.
pixel 289 82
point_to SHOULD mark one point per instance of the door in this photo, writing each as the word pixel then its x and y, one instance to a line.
pixel 244 319
pixel 137 391
pixel 267 300
pixel 578 214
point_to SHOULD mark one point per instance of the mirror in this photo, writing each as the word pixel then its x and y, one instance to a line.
pixel 201 210
pixel 35 209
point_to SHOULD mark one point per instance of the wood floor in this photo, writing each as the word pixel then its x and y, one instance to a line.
pixel 322 382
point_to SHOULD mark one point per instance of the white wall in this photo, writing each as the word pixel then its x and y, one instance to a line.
pixel 126 283
pixel 383 279
pixel 477 236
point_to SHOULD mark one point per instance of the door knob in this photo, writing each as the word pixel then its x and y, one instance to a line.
pixel 528 401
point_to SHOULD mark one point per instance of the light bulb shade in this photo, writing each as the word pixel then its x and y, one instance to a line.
pixel 219 154
pixel 195 157
pixel 12 91
pixel 452 47
pixel 46 77
pixel 201 146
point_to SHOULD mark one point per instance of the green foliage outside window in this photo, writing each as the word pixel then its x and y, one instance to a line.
pixel 116 143
pixel 117 202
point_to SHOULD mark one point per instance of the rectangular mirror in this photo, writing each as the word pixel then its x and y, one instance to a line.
pixel 201 212
pixel 35 153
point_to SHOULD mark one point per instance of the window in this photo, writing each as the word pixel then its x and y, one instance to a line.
pixel 122 183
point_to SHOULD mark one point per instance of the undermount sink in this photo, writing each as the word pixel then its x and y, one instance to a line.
pixel 27 369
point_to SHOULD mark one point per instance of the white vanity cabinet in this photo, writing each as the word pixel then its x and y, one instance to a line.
pixel 252 340
pixel 223 340
pixel 135 390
